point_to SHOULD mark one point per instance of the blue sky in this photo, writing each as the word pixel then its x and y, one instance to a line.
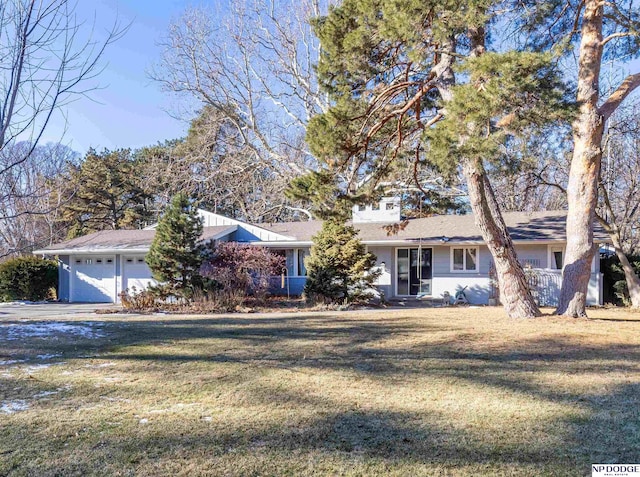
pixel 129 110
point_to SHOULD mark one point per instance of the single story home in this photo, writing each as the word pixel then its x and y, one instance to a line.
pixel 428 258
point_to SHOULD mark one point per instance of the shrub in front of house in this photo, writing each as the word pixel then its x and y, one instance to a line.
pixel 232 272
pixel 28 278
pixel 339 269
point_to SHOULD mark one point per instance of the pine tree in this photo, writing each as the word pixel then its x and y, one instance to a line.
pixel 105 194
pixel 175 256
pixel 339 269
pixel 415 75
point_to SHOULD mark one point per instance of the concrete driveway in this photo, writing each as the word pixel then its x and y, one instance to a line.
pixel 19 310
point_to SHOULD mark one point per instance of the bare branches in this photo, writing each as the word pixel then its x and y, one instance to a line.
pixel 45 62
pixel 254 65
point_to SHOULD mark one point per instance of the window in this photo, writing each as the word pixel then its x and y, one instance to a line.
pixel 302 254
pixel 362 208
pixel 390 206
pixel 375 207
pixel 88 261
pixel 288 254
pixel 464 259
pixel 556 257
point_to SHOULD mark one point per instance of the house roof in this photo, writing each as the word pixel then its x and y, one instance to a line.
pixel 123 240
pixel 548 226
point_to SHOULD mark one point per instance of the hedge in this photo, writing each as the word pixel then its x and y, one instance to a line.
pixel 27 278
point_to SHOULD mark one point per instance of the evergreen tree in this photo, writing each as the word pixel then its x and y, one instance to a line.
pixel 105 194
pixel 339 269
pixel 175 256
pixel 416 75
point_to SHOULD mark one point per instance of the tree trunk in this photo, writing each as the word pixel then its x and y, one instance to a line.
pixel 633 281
pixel 514 289
pixel 582 189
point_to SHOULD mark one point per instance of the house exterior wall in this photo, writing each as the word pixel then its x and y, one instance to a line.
pixel 385 261
pixel 119 284
pixel 292 286
pixel 64 276
pixel 478 283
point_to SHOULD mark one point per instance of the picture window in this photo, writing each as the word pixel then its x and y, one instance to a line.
pixel 464 259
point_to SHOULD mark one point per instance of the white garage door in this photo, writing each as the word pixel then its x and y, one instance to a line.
pixel 93 279
pixel 136 273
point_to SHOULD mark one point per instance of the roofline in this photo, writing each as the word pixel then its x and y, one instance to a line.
pixel 90 251
pixel 229 229
pixel 397 242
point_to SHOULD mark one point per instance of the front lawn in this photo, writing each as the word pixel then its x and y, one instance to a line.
pixel 452 391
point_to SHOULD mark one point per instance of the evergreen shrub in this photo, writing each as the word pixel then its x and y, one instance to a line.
pixel 27 278
pixel 339 269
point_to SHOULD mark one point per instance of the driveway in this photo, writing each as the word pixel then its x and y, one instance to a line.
pixel 19 310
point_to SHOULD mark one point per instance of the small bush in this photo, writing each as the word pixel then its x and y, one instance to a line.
pixel 135 300
pixel 234 271
pixel 27 278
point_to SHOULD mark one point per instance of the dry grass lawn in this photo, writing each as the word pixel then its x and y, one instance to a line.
pixel 457 391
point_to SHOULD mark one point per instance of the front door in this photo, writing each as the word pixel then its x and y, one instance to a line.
pixel 414 271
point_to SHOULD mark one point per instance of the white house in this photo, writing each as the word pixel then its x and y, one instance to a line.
pixel 428 257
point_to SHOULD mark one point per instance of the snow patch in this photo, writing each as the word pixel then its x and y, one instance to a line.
pixel 44 394
pixel 16 331
pixel 38 367
pixel 48 356
pixel 11 361
pixel 10 407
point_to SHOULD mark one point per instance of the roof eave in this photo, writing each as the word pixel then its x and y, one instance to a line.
pixel 89 251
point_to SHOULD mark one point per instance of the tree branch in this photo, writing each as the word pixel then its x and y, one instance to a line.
pixel 629 84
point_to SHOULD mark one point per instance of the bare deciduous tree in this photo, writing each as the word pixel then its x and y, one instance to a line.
pixel 619 205
pixel 603 25
pixel 47 59
pixel 254 67
pixel 31 193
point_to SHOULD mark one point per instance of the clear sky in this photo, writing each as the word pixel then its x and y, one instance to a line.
pixel 129 110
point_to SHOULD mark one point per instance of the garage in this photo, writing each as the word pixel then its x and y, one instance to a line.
pixel 93 279
pixel 96 268
pixel 136 273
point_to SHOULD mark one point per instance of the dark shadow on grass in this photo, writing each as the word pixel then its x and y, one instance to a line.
pixel 605 426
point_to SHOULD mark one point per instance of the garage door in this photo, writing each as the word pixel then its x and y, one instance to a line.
pixel 93 279
pixel 136 273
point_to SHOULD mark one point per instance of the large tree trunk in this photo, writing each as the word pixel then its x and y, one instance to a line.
pixel 582 190
pixel 514 289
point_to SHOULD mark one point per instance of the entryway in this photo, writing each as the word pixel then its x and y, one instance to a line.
pixel 414 271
